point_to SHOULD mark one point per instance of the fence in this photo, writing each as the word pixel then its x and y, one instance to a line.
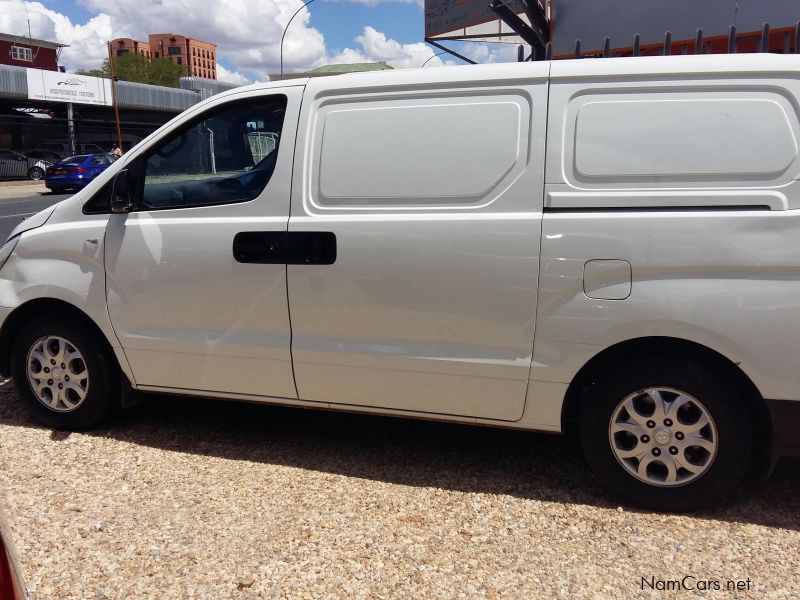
pixel 28 140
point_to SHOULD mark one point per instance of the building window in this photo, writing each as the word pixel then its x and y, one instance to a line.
pixel 121 52
pixel 180 60
pixel 173 50
pixel 20 53
pixel 156 54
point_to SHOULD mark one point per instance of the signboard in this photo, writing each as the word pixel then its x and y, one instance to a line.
pixel 52 86
pixel 620 20
pixel 469 20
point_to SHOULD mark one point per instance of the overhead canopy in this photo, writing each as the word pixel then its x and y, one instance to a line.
pixel 470 20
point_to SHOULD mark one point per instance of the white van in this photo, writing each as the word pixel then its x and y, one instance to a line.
pixel 610 245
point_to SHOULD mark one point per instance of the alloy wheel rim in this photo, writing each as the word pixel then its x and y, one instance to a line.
pixel 57 373
pixel 663 436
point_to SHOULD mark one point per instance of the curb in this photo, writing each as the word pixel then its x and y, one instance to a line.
pixel 20 183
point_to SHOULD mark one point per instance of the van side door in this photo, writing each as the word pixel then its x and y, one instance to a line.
pixel 190 312
pixel 433 195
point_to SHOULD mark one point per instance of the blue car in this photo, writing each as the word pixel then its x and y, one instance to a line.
pixel 76 172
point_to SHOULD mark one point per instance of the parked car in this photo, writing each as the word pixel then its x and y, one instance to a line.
pixel 606 246
pixel 16 165
pixel 48 156
pixel 62 148
pixel 76 172
pixel 12 586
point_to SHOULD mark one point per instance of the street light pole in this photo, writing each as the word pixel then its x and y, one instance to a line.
pixel 114 95
pixel 432 57
pixel 287 27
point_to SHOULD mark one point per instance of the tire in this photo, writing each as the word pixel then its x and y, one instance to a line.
pixel 93 394
pixel 706 409
pixel 36 173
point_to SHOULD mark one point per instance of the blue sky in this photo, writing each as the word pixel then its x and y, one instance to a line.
pixel 247 32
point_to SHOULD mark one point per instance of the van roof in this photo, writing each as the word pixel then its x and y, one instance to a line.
pixel 746 64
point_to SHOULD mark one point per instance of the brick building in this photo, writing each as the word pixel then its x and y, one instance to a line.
pixel 20 51
pixel 199 57
pixel 122 46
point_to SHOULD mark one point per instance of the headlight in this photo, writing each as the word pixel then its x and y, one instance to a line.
pixel 7 249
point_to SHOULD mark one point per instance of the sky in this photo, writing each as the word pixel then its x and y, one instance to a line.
pixel 247 32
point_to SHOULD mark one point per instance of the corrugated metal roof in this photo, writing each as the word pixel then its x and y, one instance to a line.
pixel 206 87
pixel 154 97
pixel 14 85
pixel 13 82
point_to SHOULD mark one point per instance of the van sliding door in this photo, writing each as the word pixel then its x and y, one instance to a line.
pixel 433 199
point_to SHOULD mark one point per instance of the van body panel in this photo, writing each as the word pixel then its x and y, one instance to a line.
pixel 63 260
pixel 430 305
pixel 673 140
pixel 728 280
pixel 188 314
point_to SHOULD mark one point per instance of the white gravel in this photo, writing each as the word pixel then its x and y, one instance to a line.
pixel 199 499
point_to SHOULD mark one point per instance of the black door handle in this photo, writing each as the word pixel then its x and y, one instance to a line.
pixel 282 247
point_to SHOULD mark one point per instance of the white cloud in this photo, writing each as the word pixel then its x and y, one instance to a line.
pixel 227 76
pixel 489 53
pixel 376 47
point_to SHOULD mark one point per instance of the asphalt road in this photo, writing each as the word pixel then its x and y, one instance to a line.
pixel 22 204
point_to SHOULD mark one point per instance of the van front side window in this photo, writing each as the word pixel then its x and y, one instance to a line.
pixel 227 157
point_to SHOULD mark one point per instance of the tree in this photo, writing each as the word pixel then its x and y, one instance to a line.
pixel 135 67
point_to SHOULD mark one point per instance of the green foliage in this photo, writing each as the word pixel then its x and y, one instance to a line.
pixel 135 67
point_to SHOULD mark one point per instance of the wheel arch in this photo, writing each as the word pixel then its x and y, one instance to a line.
pixel 15 320
pixel 604 361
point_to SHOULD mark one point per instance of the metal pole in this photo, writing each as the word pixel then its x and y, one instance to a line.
pixel 577 49
pixel 452 52
pixel 667 43
pixel 114 96
pixel 636 45
pixel 765 37
pixel 71 128
pixel 732 39
pixel 606 47
pixel 797 38
pixel 432 57
pixel 698 41
pixel 287 27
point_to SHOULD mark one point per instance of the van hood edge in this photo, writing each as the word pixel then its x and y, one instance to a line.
pixel 34 221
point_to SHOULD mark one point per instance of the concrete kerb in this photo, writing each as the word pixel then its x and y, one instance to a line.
pixel 19 183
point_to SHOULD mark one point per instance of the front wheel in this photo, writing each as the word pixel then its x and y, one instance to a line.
pixel 64 373
pixel 36 173
pixel 667 434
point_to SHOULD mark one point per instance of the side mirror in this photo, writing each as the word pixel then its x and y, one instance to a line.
pixel 120 193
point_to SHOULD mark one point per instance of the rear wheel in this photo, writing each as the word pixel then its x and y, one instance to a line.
pixel 64 373
pixel 667 434
pixel 36 173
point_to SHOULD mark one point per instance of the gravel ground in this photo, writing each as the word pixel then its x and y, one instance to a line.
pixel 200 499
